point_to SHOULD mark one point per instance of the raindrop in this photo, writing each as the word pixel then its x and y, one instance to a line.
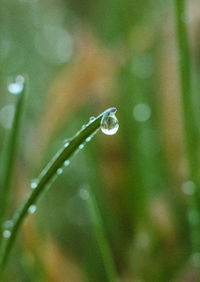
pixel 34 184
pixel 83 127
pixel 141 112
pixel 66 163
pixel 6 234
pixel 81 146
pixel 92 119
pixel 109 124
pixel 32 209
pixel 88 139
pixel 66 144
pixel 59 171
pixel 16 86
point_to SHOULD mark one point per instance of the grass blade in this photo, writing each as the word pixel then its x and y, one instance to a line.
pixel 10 156
pixel 101 238
pixel 190 124
pixel 44 179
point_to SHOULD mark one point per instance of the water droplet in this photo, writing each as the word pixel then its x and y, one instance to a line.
pixel 16 86
pixel 188 187
pixel 7 115
pixel 66 163
pixel 88 139
pixel 66 144
pixel 59 171
pixel 84 194
pixel 32 209
pixel 141 112
pixel 109 124
pixel 83 127
pixel 34 184
pixel 92 119
pixel 81 146
pixel 6 233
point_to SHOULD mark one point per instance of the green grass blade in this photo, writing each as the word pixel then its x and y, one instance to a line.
pixel 101 238
pixel 190 124
pixel 10 155
pixel 49 172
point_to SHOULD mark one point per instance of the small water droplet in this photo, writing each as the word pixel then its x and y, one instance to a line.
pixel 59 171
pixel 66 144
pixel 34 184
pixel 16 86
pixel 88 139
pixel 141 112
pixel 109 124
pixel 84 194
pixel 81 146
pixel 92 119
pixel 66 163
pixel 83 127
pixel 32 209
pixel 6 233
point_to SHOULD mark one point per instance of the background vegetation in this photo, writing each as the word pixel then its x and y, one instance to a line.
pixel 80 58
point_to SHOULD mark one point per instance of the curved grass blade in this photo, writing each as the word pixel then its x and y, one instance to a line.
pixel 10 154
pixel 44 179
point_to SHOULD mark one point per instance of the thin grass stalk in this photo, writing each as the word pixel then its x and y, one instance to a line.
pixel 190 124
pixel 10 157
pixel 101 238
pixel 48 173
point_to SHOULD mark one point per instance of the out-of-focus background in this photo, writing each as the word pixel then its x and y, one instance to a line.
pixel 82 57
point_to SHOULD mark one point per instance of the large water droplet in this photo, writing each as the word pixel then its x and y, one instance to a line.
pixel 109 124
pixel 6 234
pixel 32 209
pixel 16 86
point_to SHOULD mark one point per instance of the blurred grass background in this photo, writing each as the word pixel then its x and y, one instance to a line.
pixel 82 57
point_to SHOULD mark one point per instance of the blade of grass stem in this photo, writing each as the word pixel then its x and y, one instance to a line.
pixel 48 173
pixel 10 155
pixel 101 238
pixel 190 124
